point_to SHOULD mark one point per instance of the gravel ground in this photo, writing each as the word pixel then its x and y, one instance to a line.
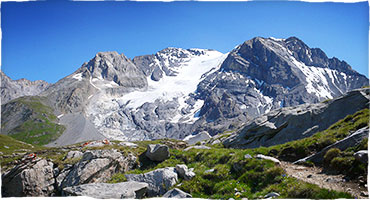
pixel 78 129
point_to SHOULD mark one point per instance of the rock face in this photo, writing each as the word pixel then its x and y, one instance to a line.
pixel 96 166
pixel 124 190
pixel 107 72
pixel 11 89
pixel 176 193
pixel 157 152
pixel 159 180
pixel 293 123
pixel 34 178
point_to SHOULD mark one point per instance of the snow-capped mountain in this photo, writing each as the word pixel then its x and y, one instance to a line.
pixel 177 93
pixel 167 101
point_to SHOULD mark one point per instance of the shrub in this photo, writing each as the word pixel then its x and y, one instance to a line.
pixel 331 154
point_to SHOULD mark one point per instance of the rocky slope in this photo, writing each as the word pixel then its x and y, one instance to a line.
pixel 11 89
pixel 293 123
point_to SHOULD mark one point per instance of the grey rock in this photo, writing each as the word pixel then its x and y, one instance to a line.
pixel 98 166
pixel 34 178
pixel 261 156
pixel 124 190
pixel 159 180
pixel 183 172
pixel 350 141
pixel 271 195
pixel 176 193
pixel 362 156
pixel 202 136
pixel 128 144
pixel 197 147
pixel 73 155
pixel 209 171
pixel 248 156
pixel 12 89
pixel 293 123
pixel 157 152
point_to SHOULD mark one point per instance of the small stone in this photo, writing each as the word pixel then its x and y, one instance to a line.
pixel 271 195
pixel 209 171
pixel 364 194
pixel 248 156
pixel 309 176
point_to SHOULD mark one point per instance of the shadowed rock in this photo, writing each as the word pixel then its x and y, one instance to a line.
pixel 124 190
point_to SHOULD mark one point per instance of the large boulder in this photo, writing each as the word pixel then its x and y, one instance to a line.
pixel 176 193
pixel 362 156
pixel 97 166
pixel 157 152
pixel 159 180
pixel 133 190
pixel 32 178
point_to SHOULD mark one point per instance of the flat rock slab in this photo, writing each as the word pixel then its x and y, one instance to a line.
pixel 124 190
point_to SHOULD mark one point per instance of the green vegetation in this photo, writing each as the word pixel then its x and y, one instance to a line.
pixel 40 126
pixel 225 173
pixel 294 150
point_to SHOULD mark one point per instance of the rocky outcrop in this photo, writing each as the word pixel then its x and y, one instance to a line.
pixel 159 180
pixel 124 190
pixel 351 141
pixel 176 193
pixel 97 166
pixel 183 172
pixel 31 178
pixel 293 123
pixel 11 89
pixel 157 152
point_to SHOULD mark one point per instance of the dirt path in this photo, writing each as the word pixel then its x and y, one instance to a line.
pixel 314 175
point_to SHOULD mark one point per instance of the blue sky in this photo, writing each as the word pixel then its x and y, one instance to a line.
pixel 49 40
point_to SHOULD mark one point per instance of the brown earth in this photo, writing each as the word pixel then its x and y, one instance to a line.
pixel 316 175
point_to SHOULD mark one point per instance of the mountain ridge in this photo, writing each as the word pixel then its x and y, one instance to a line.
pixel 177 92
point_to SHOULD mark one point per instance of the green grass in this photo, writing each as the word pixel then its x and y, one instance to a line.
pixel 233 175
pixel 41 126
pixel 344 162
pixel 294 150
